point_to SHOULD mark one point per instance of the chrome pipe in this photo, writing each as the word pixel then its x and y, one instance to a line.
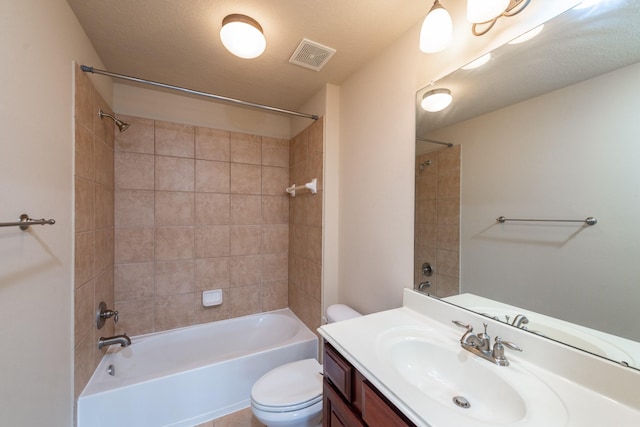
pixel 88 69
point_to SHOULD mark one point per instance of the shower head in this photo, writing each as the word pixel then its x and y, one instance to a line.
pixel 122 126
pixel 424 164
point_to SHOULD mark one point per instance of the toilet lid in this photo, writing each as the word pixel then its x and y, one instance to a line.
pixel 292 386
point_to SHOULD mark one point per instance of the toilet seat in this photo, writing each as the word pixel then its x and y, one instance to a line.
pixel 289 387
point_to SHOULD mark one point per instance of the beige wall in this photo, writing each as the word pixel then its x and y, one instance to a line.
pixel 174 106
pixel 197 209
pixel 437 216
pixel 93 261
pixel 40 39
pixel 377 153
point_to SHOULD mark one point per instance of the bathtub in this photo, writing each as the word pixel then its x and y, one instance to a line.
pixel 187 376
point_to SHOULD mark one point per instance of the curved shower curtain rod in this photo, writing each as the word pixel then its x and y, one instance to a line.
pixel 433 141
pixel 88 69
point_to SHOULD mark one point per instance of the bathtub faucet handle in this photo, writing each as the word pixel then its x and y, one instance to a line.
pixel 107 314
pixel 103 314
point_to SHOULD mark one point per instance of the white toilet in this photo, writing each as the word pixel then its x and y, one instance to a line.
pixel 291 395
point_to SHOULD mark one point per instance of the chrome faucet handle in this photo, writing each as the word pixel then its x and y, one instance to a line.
pixel 458 323
pixel 498 351
pixel 102 314
pixel 464 339
pixel 107 314
pixel 508 344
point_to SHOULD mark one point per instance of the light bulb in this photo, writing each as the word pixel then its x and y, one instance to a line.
pixel 436 100
pixel 437 29
pixel 242 36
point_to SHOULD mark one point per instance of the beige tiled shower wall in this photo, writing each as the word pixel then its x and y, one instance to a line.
pixel 198 209
pixel 93 265
pixel 305 235
pixel 437 228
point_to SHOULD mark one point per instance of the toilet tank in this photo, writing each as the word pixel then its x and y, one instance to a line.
pixel 339 312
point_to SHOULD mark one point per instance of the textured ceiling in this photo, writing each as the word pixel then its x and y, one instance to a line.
pixel 178 43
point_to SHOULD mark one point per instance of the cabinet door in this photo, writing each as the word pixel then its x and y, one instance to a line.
pixel 335 411
pixel 377 412
pixel 338 371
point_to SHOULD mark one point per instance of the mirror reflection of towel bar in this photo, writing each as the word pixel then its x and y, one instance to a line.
pixel 589 221
pixel 25 222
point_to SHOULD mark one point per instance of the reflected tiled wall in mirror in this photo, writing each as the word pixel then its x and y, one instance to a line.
pixel 437 220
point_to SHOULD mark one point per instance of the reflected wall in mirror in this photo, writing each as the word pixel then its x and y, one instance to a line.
pixel 549 129
pixel 437 222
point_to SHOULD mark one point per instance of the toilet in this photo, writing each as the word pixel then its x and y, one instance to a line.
pixel 291 395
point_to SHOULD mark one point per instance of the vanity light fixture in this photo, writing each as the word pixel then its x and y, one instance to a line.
pixel 242 36
pixel 437 29
pixel 436 100
pixel 479 28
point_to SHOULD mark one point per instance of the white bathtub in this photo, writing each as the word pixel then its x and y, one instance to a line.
pixel 187 376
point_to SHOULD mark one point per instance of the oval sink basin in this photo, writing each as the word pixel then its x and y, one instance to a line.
pixel 443 375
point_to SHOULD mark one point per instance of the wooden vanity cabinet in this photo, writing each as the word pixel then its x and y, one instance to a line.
pixel 349 400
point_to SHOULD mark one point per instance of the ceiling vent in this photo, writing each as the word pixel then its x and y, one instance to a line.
pixel 311 55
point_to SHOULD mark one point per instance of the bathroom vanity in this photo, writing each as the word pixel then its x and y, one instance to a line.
pixel 350 400
pixel 406 367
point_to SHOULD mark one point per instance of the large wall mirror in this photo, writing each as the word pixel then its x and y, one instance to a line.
pixel 548 129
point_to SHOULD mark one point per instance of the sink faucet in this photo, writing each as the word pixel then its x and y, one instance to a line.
pixel 520 320
pixel 123 340
pixel 480 345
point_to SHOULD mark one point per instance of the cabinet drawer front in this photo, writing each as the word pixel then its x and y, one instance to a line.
pixel 338 371
pixel 376 411
pixel 335 411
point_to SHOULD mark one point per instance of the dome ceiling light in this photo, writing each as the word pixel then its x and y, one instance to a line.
pixel 436 100
pixel 242 36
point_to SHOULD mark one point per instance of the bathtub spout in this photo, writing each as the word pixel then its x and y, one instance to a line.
pixel 123 340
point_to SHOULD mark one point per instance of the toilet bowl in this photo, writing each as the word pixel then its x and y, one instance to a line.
pixel 291 395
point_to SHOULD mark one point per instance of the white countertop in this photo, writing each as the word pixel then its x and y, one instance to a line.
pixel 591 391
